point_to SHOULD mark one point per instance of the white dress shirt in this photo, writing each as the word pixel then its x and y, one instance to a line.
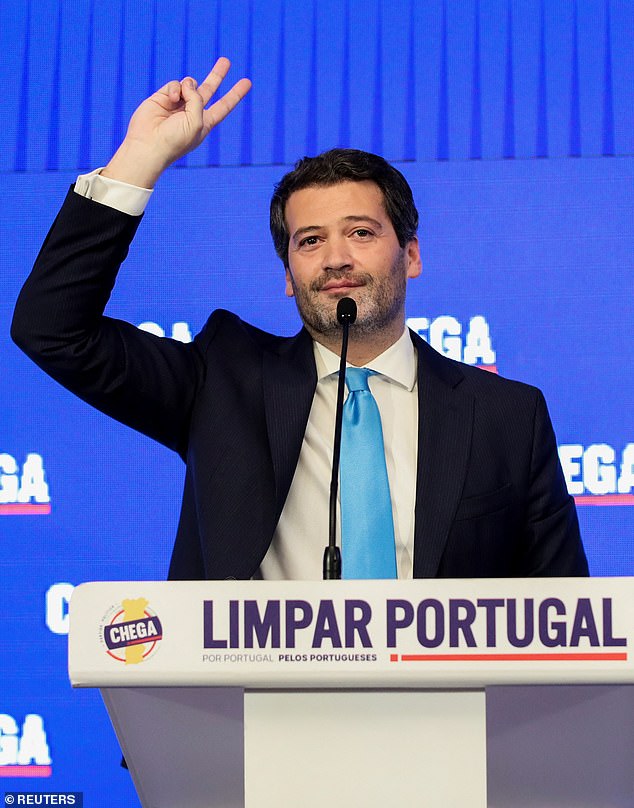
pixel 302 533
pixel 297 549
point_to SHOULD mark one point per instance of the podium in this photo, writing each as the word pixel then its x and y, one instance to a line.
pixel 363 693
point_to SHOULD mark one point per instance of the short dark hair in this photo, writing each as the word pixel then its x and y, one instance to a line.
pixel 345 165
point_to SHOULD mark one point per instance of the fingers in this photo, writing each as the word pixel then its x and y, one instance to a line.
pixel 173 91
pixel 179 94
pixel 168 96
pixel 214 79
pixel 222 107
pixel 189 93
pixel 176 95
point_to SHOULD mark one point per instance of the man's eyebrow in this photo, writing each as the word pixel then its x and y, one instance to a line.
pixel 368 219
pixel 312 228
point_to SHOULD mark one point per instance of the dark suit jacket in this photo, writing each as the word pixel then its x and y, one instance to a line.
pixel 490 495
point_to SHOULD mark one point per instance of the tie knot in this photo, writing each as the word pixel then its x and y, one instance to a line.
pixel 357 379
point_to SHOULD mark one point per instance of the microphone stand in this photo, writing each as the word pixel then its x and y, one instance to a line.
pixel 346 315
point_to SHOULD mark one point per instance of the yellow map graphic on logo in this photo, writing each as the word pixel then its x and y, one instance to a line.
pixel 134 609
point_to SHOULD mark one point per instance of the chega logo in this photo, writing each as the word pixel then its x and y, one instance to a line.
pixel 131 632
pixel 24 751
pixel 599 474
pixel 23 490
pixel 470 344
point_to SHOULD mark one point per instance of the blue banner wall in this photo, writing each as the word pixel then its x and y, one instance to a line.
pixel 512 121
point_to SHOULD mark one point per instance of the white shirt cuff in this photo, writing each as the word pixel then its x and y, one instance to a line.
pixel 115 194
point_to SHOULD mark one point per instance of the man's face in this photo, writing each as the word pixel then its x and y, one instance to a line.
pixel 342 244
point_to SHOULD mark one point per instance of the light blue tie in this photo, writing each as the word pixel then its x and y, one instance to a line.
pixel 367 526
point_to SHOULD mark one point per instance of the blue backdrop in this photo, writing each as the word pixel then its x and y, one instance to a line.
pixel 514 122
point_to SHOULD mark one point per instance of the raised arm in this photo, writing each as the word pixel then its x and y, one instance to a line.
pixel 144 381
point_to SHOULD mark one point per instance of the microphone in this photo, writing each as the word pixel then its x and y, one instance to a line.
pixel 346 315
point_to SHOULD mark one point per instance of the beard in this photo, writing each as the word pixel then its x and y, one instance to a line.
pixel 380 300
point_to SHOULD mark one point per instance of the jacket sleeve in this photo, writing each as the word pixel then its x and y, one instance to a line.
pixel 552 542
pixel 144 381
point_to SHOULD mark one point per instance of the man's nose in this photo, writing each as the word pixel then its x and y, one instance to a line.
pixel 336 255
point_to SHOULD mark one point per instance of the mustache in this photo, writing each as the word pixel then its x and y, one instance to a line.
pixel 360 278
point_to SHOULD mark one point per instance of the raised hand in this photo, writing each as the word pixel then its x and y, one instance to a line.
pixel 170 123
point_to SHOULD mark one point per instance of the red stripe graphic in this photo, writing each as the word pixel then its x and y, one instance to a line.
pixel 25 771
pixel 605 499
pixel 20 509
pixel 598 656
pixel 490 368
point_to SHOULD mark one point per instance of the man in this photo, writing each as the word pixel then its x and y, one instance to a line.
pixel 475 483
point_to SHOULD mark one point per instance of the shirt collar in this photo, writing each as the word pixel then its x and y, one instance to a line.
pixel 397 363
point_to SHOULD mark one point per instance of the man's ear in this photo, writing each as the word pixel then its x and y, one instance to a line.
pixel 289 284
pixel 414 262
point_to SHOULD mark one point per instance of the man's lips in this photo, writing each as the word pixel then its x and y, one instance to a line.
pixel 340 285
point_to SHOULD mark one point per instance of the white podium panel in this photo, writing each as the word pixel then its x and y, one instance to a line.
pixel 340 693
pixel 366 748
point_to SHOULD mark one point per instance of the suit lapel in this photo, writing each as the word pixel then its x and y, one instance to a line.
pixel 290 378
pixel 445 416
